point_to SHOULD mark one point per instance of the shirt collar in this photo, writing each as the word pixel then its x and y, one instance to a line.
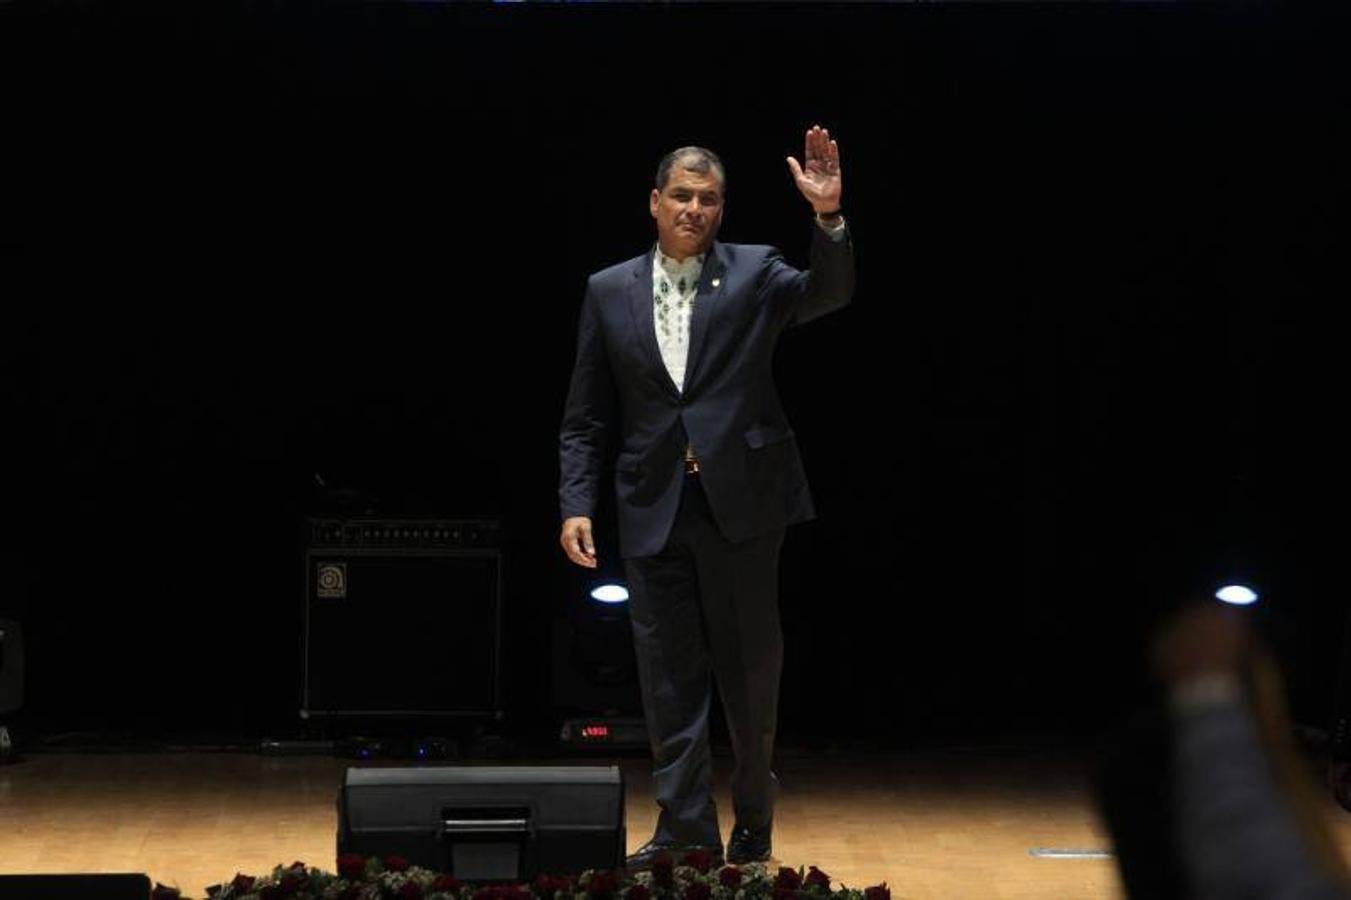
pixel 674 268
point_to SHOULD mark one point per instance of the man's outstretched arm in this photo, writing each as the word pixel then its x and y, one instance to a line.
pixel 829 284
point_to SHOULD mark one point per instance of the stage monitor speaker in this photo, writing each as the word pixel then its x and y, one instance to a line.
pixel 402 618
pixel 11 666
pixel 487 823
pixel 74 887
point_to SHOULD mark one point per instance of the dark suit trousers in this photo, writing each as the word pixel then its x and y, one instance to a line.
pixel 706 606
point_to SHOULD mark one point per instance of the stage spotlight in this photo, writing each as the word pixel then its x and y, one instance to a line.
pixel 610 593
pixel 595 672
pixel 1236 595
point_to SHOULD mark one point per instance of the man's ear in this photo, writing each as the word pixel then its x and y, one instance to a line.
pixel 652 202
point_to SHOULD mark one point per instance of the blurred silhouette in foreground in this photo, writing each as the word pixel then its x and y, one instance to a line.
pixel 1204 792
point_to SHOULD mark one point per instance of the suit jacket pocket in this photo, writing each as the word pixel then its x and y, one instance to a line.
pixel 766 435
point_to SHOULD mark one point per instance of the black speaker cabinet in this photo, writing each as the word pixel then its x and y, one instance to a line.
pixel 402 618
pixel 486 823
pixel 74 887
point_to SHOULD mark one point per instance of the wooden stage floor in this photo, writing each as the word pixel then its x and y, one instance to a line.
pixel 937 824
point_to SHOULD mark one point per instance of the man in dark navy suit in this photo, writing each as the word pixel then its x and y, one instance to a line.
pixel 673 374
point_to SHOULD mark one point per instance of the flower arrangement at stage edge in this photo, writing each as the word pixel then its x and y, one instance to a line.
pixel 693 877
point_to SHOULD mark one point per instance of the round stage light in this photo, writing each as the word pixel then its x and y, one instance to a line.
pixel 610 593
pixel 1237 595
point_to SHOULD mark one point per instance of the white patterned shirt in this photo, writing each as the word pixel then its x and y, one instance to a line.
pixel 674 285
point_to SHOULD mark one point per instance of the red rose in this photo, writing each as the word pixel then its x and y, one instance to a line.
pixel 663 868
pixel 486 893
pixel 291 883
pixel 877 892
pixel 602 885
pixel 242 884
pixel 271 892
pixel 697 860
pixel 698 890
pixel 411 890
pixel 446 884
pixel 352 866
pixel 730 877
pixel 787 879
pixel 816 878
pixel 638 892
pixel 163 892
pixel 296 865
pixel 547 886
pixel 785 893
pixel 396 864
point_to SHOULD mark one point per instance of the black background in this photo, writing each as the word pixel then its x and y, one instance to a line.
pixel 1088 371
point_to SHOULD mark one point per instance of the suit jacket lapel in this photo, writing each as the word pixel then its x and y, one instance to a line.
pixel 705 305
pixel 644 314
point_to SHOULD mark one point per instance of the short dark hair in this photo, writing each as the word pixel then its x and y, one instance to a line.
pixel 699 160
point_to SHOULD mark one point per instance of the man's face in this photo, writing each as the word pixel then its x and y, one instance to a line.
pixel 688 211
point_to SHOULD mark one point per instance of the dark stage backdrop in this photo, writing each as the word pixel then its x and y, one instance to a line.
pixel 1087 370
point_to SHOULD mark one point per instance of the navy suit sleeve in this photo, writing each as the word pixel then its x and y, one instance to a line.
pixel 827 286
pixel 588 417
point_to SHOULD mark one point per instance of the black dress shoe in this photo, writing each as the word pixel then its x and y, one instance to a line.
pixel 643 857
pixel 747 844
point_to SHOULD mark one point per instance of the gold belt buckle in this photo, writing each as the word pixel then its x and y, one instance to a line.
pixel 691 462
